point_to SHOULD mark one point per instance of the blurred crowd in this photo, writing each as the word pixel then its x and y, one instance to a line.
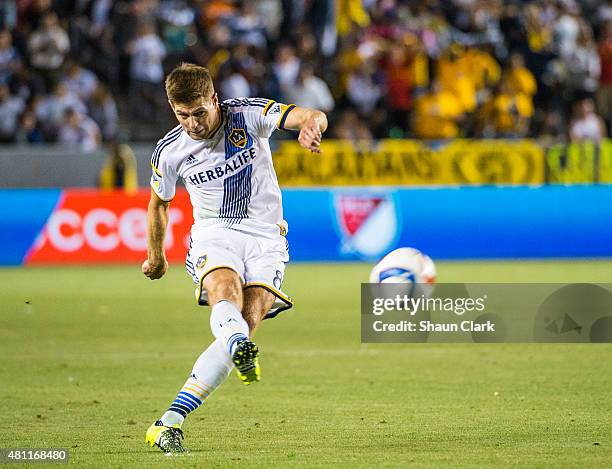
pixel 88 71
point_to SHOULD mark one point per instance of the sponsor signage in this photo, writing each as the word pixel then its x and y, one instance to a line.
pixel 411 162
pixel 74 226
pixel 93 226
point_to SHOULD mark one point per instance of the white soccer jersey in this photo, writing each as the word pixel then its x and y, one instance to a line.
pixel 230 178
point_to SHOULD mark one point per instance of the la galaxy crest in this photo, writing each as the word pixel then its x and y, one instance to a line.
pixel 201 262
pixel 238 137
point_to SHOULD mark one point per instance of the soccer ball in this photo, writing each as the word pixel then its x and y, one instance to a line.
pixel 404 265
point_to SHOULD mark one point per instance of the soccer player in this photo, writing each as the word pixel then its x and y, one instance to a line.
pixel 238 248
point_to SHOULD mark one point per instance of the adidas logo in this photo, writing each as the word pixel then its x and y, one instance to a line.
pixel 275 109
pixel 191 160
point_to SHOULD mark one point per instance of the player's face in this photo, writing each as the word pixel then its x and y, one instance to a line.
pixel 200 118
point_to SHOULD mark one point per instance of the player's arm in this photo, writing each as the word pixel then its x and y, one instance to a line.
pixel 311 123
pixel 157 221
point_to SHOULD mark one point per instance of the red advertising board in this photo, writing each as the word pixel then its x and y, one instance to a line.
pixel 99 227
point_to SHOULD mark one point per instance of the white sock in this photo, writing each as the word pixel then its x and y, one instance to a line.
pixel 209 372
pixel 228 325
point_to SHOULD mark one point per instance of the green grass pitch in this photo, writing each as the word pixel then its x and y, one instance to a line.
pixel 92 356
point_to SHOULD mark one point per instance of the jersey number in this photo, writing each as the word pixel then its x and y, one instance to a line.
pixel 278 280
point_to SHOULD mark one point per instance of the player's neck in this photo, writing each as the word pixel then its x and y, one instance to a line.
pixel 216 125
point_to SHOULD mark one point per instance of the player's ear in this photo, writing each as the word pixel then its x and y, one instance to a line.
pixel 215 99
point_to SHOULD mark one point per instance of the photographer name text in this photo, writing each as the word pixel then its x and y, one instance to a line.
pixel 429 326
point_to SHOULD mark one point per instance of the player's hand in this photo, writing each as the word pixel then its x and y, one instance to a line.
pixel 154 269
pixel 310 136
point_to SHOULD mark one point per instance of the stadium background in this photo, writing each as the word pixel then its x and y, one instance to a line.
pixel 472 130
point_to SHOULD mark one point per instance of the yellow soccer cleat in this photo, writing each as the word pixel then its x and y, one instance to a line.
pixel 245 358
pixel 168 439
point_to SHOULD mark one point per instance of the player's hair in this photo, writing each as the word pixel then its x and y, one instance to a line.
pixel 189 82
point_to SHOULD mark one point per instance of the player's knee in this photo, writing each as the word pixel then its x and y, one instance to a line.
pixel 223 284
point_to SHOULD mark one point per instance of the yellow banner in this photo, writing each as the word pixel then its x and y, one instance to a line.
pixel 571 163
pixel 605 162
pixel 411 162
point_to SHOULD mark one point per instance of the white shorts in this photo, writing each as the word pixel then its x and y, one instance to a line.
pixel 258 260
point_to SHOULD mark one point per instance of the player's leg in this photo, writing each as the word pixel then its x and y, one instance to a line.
pixel 229 324
pixel 264 273
pixel 209 371
pixel 224 288
pixel 264 268
pixel 257 302
pixel 216 268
